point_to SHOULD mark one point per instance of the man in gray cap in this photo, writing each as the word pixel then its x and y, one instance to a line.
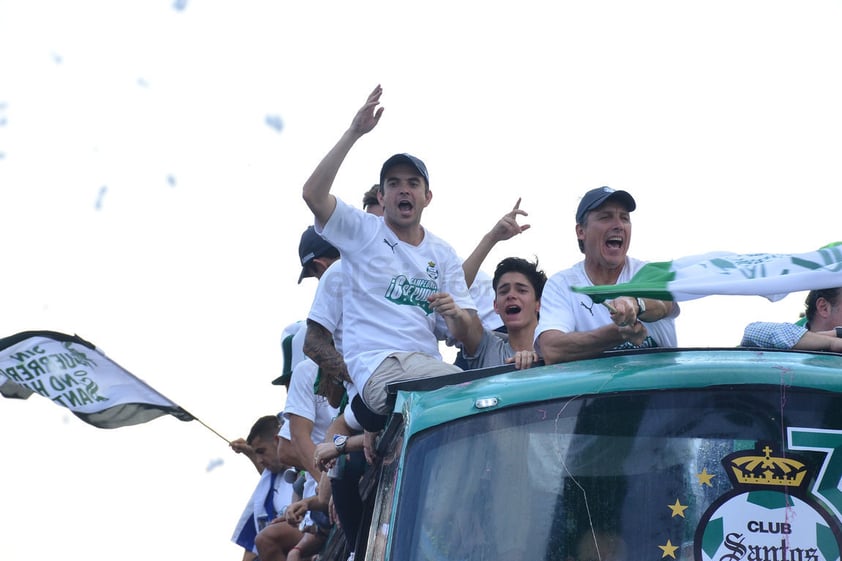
pixel 404 287
pixel 572 326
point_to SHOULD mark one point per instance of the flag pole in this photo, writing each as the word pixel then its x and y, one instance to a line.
pixel 144 383
pixel 201 422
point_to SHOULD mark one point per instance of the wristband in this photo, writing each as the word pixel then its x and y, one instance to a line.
pixel 839 332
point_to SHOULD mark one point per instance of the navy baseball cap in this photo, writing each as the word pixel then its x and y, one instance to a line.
pixel 405 159
pixel 597 197
pixel 311 246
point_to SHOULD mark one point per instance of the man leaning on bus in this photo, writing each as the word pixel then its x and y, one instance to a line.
pixel 572 326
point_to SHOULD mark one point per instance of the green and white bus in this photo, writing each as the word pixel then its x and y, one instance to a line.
pixel 705 454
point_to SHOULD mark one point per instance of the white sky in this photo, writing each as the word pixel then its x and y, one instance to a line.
pixel 149 208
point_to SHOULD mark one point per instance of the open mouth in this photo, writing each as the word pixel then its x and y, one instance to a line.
pixel 614 243
pixel 405 206
pixel 512 310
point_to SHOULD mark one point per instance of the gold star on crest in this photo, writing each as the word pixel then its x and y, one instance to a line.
pixel 705 477
pixel 668 549
pixel 677 509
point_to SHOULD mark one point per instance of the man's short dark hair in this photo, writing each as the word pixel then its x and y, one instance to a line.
pixel 537 278
pixel 370 196
pixel 265 427
pixel 829 294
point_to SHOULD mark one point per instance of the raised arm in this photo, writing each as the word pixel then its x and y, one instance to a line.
pixel 505 228
pixel 317 188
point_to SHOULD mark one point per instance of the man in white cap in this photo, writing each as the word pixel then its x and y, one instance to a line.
pixel 572 326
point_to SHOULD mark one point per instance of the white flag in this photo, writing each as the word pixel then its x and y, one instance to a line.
pixel 771 275
pixel 73 373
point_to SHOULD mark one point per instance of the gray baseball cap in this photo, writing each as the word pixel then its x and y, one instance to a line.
pixel 597 197
pixel 405 159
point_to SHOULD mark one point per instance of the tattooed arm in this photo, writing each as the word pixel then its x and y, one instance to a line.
pixel 318 345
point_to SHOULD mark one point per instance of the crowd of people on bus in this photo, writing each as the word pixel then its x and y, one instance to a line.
pixel 389 291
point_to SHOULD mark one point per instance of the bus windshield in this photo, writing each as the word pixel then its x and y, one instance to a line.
pixel 625 476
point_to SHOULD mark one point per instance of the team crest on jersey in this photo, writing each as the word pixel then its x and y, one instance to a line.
pixel 432 270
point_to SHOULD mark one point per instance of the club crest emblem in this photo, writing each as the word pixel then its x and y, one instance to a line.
pixel 769 515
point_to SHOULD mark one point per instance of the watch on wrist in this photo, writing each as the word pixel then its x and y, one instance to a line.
pixel 339 441
pixel 641 307
pixel 839 332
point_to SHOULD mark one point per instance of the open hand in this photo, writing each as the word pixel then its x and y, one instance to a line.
pixel 369 114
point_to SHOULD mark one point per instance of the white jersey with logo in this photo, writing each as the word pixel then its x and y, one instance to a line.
pixel 384 300
pixel 568 311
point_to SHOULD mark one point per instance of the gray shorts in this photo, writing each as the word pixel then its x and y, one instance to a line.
pixel 399 367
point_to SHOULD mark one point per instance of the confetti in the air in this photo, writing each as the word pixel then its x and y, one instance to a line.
pixel 100 197
pixel 275 122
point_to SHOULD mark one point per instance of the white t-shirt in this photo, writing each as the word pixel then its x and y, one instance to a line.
pixel 284 432
pixel 568 311
pixel 282 494
pixel 302 401
pixel 326 309
pixel 482 292
pixel 297 345
pixel 311 486
pixel 387 282
pixel 255 513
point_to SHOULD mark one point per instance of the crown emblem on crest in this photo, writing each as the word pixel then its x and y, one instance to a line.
pixel 762 468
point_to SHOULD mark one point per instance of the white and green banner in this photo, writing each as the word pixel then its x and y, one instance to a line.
pixel 771 275
pixel 73 373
